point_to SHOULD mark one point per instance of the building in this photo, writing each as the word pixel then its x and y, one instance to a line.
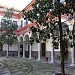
pixel 22 28
pixel 21 48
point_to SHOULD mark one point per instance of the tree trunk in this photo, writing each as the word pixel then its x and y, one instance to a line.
pixel 61 40
pixel 8 51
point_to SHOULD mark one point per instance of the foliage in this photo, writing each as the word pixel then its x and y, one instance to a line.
pixel 30 41
pixel 43 13
pixel 7 28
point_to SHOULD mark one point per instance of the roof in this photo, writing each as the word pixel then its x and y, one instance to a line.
pixel 16 4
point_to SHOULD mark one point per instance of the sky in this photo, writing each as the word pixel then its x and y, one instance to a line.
pixel 62 0
pixel 18 4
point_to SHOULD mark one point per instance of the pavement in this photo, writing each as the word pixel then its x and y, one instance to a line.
pixel 24 66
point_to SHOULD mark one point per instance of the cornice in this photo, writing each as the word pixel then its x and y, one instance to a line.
pixel 18 16
pixel 27 8
pixel 25 27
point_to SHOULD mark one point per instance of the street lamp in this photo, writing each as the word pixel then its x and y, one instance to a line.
pixel 1 37
pixel 72 33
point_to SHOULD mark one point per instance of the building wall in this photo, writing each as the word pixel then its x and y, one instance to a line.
pixel 14 47
pixel 49 45
pixel 13 50
pixel 35 47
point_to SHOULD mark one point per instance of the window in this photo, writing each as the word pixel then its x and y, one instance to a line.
pixel 26 22
pixel 15 22
pixel 21 23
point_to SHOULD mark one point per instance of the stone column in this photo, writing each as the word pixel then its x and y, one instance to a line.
pixel 38 51
pixel 7 55
pixel 18 49
pixel 24 48
pixel 52 56
pixel 30 52
pixel 72 52
pixel 72 57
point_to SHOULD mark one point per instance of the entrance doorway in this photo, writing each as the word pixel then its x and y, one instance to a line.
pixel 21 50
pixel 43 49
pixel 27 50
pixel 1 46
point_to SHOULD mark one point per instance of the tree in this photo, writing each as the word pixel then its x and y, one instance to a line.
pixel 7 29
pixel 43 14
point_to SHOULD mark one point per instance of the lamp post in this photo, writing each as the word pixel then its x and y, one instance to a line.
pixel 1 37
pixel 61 39
pixel 72 30
pixel 74 40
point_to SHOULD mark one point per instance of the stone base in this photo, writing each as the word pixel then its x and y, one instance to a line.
pixel 60 74
pixel 11 53
pixel 72 64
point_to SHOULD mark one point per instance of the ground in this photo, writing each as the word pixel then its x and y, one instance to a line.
pixel 24 66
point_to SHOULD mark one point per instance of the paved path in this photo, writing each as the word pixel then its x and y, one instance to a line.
pixel 20 66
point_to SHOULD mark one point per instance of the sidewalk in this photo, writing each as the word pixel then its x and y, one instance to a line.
pixel 24 66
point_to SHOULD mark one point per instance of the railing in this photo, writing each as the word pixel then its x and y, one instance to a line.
pixel 24 24
pixel 19 26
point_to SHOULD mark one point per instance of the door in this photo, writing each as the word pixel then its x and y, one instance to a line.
pixel 43 49
pixel 1 46
pixel 21 49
